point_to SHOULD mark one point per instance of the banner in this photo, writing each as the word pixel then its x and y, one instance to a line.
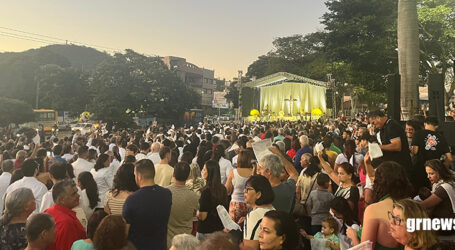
pixel 219 101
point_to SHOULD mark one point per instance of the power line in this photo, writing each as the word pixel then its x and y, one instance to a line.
pixel 37 37
pixel 22 38
pixel 28 37
pixel 59 39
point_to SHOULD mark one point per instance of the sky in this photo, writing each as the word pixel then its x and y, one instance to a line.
pixel 225 36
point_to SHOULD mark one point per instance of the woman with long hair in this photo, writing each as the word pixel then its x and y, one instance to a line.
pixel 442 193
pixel 212 195
pixel 124 185
pixel 103 177
pixel 89 193
pixel 236 183
pixel 19 204
pixel 390 184
pixel 225 165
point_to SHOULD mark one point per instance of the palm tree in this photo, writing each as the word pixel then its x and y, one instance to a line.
pixel 408 57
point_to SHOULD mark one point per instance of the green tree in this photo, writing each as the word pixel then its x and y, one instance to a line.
pixel 17 72
pixel 15 111
pixel 141 84
pixel 233 94
pixel 64 89
pixel 437 40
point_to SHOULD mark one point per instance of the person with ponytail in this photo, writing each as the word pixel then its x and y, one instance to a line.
pixel 225 165
pixel 89 194
pixel 103 176
pixel 19 204
pixel 212 195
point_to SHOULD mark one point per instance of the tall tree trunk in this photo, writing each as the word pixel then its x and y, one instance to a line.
pixel 408 57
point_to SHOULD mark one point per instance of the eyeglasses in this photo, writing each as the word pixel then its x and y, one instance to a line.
pixel 396 220
pixel 247 189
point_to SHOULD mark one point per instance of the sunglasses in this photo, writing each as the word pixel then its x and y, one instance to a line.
pixel 396 220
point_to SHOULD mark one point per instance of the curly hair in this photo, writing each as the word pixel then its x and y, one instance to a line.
pixel 124 179
pixel 391 179
pixel 111 233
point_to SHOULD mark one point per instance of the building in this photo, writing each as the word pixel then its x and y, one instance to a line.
pixel 200 79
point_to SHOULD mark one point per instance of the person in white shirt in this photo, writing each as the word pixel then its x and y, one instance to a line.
pixel 163 171
pixel 5 179
pixel 57 172
pixel 225 165
pixel 82 164
pixel 104 178
pixel 145 149
pixel 154 155
pixel 30 171
pixel 68 153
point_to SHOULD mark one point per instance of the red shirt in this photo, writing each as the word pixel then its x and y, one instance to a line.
pixel 291 153
pixel 69 229
pixel 263 136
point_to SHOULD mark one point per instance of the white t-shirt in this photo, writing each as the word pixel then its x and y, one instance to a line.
pixel 252 219
pixel 38 188
pixel 104 179
pixel 5 179
pixel 225 169
pixel 341 158
pixel 82 165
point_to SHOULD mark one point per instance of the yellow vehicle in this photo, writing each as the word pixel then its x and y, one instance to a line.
pixel 45 120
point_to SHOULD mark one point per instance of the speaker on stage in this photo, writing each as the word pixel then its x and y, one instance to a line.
pixel 436 96
pixel 329 98
pixel 393 97
pixel 448 130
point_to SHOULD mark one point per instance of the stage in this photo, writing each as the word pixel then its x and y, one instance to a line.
pixel 289 97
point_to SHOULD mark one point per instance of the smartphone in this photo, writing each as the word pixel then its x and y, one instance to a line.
pixel 48 153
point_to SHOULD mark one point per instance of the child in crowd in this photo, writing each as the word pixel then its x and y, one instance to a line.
pixel 328 232
pixel 318 202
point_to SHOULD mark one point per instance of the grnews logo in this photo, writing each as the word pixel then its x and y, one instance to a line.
pixel 436 224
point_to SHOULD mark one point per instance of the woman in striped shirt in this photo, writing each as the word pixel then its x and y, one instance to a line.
pixel 124 185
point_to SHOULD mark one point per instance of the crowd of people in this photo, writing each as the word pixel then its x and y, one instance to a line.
pixel 320 186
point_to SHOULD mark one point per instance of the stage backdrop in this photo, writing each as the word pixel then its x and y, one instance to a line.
pixel 292 97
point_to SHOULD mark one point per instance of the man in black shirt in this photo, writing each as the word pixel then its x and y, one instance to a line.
pixel 429 144
pixel 147 210
pixel 392 140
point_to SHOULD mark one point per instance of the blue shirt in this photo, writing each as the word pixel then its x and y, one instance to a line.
pixel 147 211
pixel 298 155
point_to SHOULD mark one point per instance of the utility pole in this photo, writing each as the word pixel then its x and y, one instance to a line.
pixel 37 95
pixel 240 93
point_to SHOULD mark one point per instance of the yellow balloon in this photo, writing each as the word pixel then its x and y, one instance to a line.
pixel 316 111
pixel 254 112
